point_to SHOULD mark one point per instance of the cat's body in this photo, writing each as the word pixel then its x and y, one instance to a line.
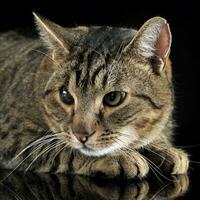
pixel 18 107
pixel 101 133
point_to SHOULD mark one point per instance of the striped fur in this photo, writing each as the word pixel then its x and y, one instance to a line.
pixel 36 126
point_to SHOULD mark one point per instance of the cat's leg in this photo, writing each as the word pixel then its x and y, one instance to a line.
pixel 170 159
pixel 127 164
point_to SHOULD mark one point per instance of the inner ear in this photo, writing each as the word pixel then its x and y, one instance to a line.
pixel 157 64
pixel 53 35
pixel 152 41
pixel 163 42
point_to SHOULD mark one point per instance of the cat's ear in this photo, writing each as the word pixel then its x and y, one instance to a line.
pixel 52 34
pixel 153 40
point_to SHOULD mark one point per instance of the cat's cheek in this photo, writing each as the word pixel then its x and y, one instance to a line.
pixel 56 114
pixel 53 126
pixel 128 134
pixel 54 110
pixel 54 120
pixel 136 136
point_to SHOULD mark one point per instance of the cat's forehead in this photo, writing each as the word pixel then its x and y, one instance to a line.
pixel 97 53
pixel 106 38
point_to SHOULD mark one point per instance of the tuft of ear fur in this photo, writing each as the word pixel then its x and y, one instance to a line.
pixel 52 34
pixel 153 40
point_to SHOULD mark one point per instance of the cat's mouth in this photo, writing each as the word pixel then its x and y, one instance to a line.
pixel 90 151
pixel 90 148
pixel 87 149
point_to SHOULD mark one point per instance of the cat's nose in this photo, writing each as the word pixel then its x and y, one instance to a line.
pixel 83 136
pixel 81 131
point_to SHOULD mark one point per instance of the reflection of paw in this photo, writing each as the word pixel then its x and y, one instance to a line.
pixel 136 191
pixel 130 164
pixel 181 162
pixel 178 187
pixel 181 185
pixel 102 189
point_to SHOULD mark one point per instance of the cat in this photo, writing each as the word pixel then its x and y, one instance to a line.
pixel 88 101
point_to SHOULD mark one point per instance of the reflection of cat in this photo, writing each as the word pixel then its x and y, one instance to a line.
pixel 89 103
pixel 61 187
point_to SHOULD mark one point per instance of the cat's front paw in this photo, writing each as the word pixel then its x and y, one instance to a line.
pixel 169 159
pixel 133 164
pixel 181 161
pixel 128 165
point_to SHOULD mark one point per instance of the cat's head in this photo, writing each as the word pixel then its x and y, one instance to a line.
pixel 105 88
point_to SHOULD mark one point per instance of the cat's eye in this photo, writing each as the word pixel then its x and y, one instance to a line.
pixel 65 96
pixel 114 98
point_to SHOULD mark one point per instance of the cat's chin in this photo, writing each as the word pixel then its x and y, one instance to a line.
pixel 98 152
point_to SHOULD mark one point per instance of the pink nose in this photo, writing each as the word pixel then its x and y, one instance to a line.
pixel 82 138
pixel 81 131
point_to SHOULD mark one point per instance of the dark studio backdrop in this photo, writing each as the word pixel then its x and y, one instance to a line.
pixel 184 20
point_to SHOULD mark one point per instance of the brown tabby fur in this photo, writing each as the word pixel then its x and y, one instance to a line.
pixel 36 126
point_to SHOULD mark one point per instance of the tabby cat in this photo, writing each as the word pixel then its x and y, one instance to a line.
pixel 91 100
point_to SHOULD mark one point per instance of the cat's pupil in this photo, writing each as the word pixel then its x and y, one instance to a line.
pixel 65 96
pixel 112 96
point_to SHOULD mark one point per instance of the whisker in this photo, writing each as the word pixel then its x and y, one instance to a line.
pixel 58 152
pixel 115 61
pixel 46 150
pixel 159 191
pixel 153 170
pixel 159 146
pixel 47 57
pixel 43 142
pixel 150 166
pixel 189 146
pixel 40 140
pixel 50 137
pixel 156 168
pixel 196 162
pixel 55 145
pixel 32 191
pixel 16 196
pixel 146 146
pixel 164 159
pixel 23 161
pixel 117 54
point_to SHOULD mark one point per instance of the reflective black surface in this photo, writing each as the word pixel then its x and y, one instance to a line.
pixel 62 187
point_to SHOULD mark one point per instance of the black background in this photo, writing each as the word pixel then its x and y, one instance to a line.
pixel 183 18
